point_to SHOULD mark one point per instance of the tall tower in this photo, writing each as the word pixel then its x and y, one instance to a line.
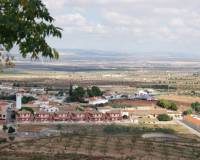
pixel 18 101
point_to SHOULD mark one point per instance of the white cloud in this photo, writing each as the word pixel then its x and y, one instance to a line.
pixel 52 4
pixel 76 22
pixel 155 21
pixel 116 18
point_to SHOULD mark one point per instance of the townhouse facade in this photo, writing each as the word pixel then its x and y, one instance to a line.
pixel 23 116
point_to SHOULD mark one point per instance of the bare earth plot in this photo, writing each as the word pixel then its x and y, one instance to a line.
pixel 94 144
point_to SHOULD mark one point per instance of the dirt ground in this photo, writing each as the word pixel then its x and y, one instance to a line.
pixel 183 99
pixel 134 103
pixel 94 144
pixel 183 102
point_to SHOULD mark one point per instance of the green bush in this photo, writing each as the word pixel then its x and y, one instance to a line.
pixel 167 104
pixel 9 98
pixel 5 128
pixel 173 106
pixel 94 91
pixel 27 109
pixel 11 130
pixel 187 112
pixel 164 117
pixel 78 95
pixel 196 106
pixel 26 99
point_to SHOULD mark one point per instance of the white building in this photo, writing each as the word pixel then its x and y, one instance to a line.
pixel 38 90
pixel 18 101
pixel 60 99
pixel 97 101
pixel 51 110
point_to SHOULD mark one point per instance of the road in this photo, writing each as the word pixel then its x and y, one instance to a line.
pixel 195 132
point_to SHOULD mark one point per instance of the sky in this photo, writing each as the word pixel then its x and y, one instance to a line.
pixel 127 25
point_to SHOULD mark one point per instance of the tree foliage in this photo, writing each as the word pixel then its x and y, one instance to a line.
pixel 78 94
pixel 11 130
pixel 27 109
pixel 4 128
pixel 196 106
pixel 8 97
pixel 27 24
pixel 94 91
pixel 167 104
pixel 70 90
pixel 164 117
pixel 187 112
pixel 26 99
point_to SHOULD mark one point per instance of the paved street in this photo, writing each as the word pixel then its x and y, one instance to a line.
pixel 195 132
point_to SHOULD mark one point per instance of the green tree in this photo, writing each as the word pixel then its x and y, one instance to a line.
pixel 70 90
pixel 11 130
pixel 78 94
pixel 196 106
pixel 29 109
pixel 26 99
pixel 173 106
pixel 5 128
pixel 163 103
pixel 164 117
pixel 187 112
pixel 167 104
pixel 27 24
pixel 94 91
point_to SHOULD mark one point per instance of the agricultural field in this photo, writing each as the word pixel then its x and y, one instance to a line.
pixel 184 99
pixel 181 82
pixel 110 142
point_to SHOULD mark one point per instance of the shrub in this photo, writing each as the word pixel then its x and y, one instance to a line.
pixel 27 109
pixel 164 103
pixel 11 130
pixel 167 104
pixel 5 128
pixel 196 106
pixel 173 106
pixel 78 95
pixel 26 99
pixel 187 112
pixel 94 91
pixel 164 117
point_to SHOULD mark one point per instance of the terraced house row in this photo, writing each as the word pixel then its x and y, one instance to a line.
pixel 26 116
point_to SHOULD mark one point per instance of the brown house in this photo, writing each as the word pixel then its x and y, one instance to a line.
pixel 44 116
pixel 24 116
pixel 3 112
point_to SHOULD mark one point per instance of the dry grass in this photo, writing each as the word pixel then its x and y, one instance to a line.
pixel 184 99
pixel 94 144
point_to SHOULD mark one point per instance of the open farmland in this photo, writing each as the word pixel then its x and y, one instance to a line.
pixel 101 142
pixel 184 99
pixel 181 82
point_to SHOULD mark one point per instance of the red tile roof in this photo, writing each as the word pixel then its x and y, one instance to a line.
pixel 193 120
